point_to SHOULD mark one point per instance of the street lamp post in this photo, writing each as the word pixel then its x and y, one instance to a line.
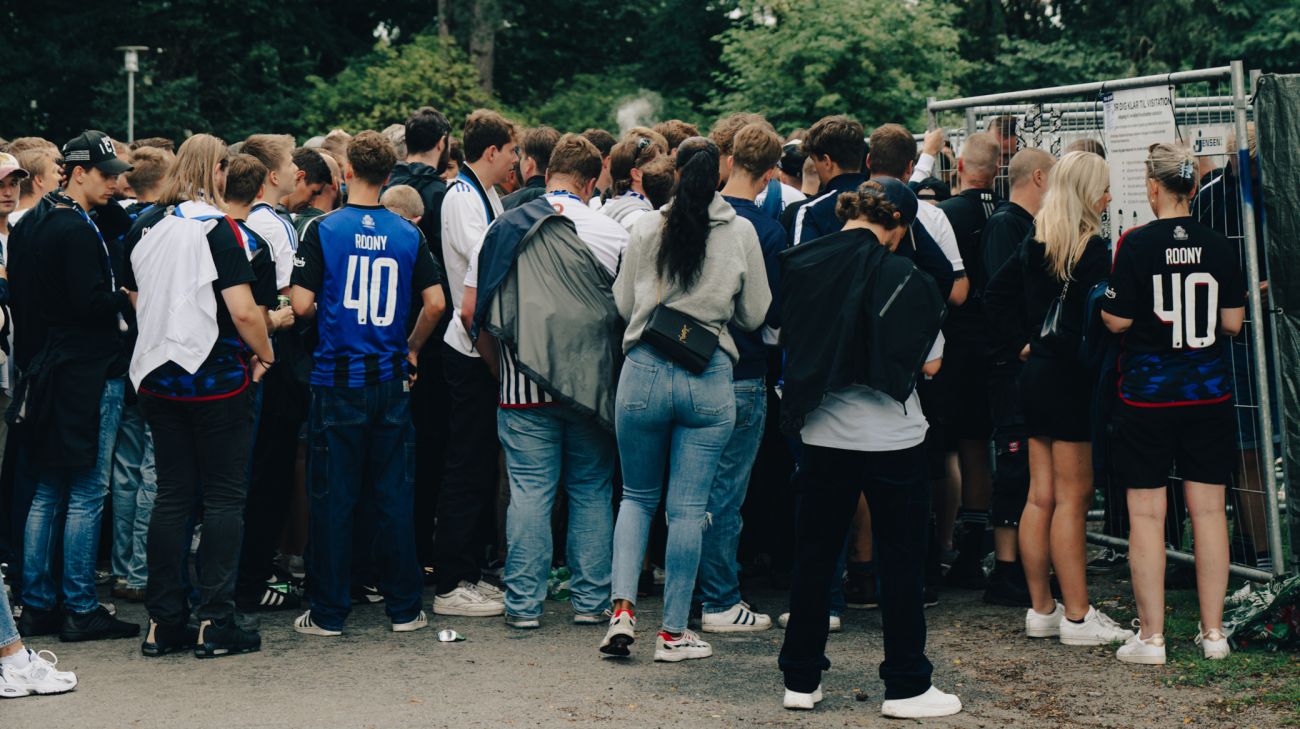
pixel 131 59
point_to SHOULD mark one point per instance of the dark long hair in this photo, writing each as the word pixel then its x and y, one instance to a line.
pixel 686 228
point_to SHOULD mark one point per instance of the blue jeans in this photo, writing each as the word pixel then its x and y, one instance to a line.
pixel 666 416
pixel 8 631
pixel 135 484
pixel 362 455
pixel 73 498
pixel 546 446
pixel 719 584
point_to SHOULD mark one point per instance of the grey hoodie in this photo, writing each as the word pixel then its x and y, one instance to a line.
pixel 732 285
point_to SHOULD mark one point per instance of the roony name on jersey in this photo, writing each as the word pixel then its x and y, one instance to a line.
pixel 1173 256
pixel 372 242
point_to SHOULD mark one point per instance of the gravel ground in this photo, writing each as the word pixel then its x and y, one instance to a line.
pixel 552 677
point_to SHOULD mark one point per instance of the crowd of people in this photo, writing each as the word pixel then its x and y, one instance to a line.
pixel 309 378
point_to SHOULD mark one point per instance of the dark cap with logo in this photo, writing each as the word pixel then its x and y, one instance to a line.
pixel 94 149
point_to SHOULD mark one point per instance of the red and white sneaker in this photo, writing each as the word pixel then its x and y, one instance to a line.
pixel 684 647
pixel 621 635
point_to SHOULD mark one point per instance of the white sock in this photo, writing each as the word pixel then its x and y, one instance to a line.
pixel 21 659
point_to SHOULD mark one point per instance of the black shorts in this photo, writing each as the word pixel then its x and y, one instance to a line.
pixel 1056 398
pixel 1197 442
pixel 968 389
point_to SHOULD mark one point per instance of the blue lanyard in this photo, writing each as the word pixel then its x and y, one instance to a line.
pixel 108 259
pixel 562 193
pixel 487 204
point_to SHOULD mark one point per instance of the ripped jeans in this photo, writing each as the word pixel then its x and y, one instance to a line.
pixel 667 418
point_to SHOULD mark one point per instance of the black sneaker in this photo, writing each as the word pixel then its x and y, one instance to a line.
pixel 98 624
pixel 366 595
pixel 1108 561
pixel 280 596
pixel 1003 590
pixel 164 639
pixel 929 597
pixel 966 573
pixel 36 621
pixel 860 591
pixel 225 638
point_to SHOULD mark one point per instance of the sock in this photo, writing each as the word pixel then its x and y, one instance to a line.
pixel 1079 621
pixel 1003 569
pixel 974 519
pixel 21 659
pixel 1263 561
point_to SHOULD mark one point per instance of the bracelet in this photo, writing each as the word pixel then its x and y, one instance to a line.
pixel 264 363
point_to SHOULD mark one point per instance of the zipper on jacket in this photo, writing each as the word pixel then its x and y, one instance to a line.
pixel 890 302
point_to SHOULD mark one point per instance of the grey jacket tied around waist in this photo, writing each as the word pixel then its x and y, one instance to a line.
pixel 554 308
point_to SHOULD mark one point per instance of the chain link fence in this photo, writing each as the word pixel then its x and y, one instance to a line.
pixel 1211 114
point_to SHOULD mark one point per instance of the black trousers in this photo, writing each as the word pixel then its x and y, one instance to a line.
pixel 429 399
pixel 1011 446
pixel 201 454
pixel 274 458
pixel 829 483
pixel 469 479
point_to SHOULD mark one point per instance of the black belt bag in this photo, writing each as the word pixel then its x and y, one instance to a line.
pixel 680 338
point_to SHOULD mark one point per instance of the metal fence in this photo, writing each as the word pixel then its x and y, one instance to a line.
pixel 1210 107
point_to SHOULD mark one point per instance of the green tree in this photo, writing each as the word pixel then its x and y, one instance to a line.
pixel 384 86
pixel 876 60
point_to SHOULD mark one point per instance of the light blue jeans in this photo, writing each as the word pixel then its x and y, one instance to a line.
pixel 544 447
pixel 719 582
pixel 135 484
pixel 667 417
pixel 74 499
pixel 8 631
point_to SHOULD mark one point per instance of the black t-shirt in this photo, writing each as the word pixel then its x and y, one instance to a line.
pixel 225 371
pixel 1171 277
pixel 968 213
pixel 1041 286
pixel 1005 230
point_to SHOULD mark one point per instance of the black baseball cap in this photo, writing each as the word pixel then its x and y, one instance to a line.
pixel 901 196
pixel 94 149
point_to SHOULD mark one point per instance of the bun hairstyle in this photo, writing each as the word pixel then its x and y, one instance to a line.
pixel 869 202
pixel 686 226
pixel 1173 168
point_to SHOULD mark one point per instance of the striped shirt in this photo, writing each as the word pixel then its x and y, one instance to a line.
pixel 517 390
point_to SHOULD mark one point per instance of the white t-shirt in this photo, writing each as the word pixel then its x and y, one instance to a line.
pixel 15 216
pixel 939 228
pixel 789 195
pixel 280 235
pixel 464 222
pixel 858 418
pixel 606 238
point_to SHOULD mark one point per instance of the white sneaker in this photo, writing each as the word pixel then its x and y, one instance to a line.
pixel 1096 629
pixel 39 677
pixel 929 704
pixel 621 635
pixel 834 625
pixel 468 600
pixel 802 702
pixel 1214 644
pixel 303 624
pixel 491 590
pixel 739 619
pixel 421 621
pixel 1038 625
pixel 684 647
pixel 1143 651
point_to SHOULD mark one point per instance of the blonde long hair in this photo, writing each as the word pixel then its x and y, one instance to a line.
pixel 1067 220
pixel 193 176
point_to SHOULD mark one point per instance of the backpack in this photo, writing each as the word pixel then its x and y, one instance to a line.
pixel 1096 337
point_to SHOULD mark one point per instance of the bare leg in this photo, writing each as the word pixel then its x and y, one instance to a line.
pixel 1146 557
pixel 946 494
pixel 11 649
pixel 976 474
pixel 1035 525
pixel 1072 477
pixel 1004 544
pixel 1250 498
pixel 860 549
pixel 1205 502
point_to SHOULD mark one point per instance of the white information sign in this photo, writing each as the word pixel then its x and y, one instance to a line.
pixel 1135 120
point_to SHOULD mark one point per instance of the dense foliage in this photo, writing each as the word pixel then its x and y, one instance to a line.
pixel 305 66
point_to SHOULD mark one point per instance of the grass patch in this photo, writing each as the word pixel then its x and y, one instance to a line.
pixel 1247 677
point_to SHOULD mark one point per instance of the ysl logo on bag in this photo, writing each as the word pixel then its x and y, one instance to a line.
pixel 685 331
